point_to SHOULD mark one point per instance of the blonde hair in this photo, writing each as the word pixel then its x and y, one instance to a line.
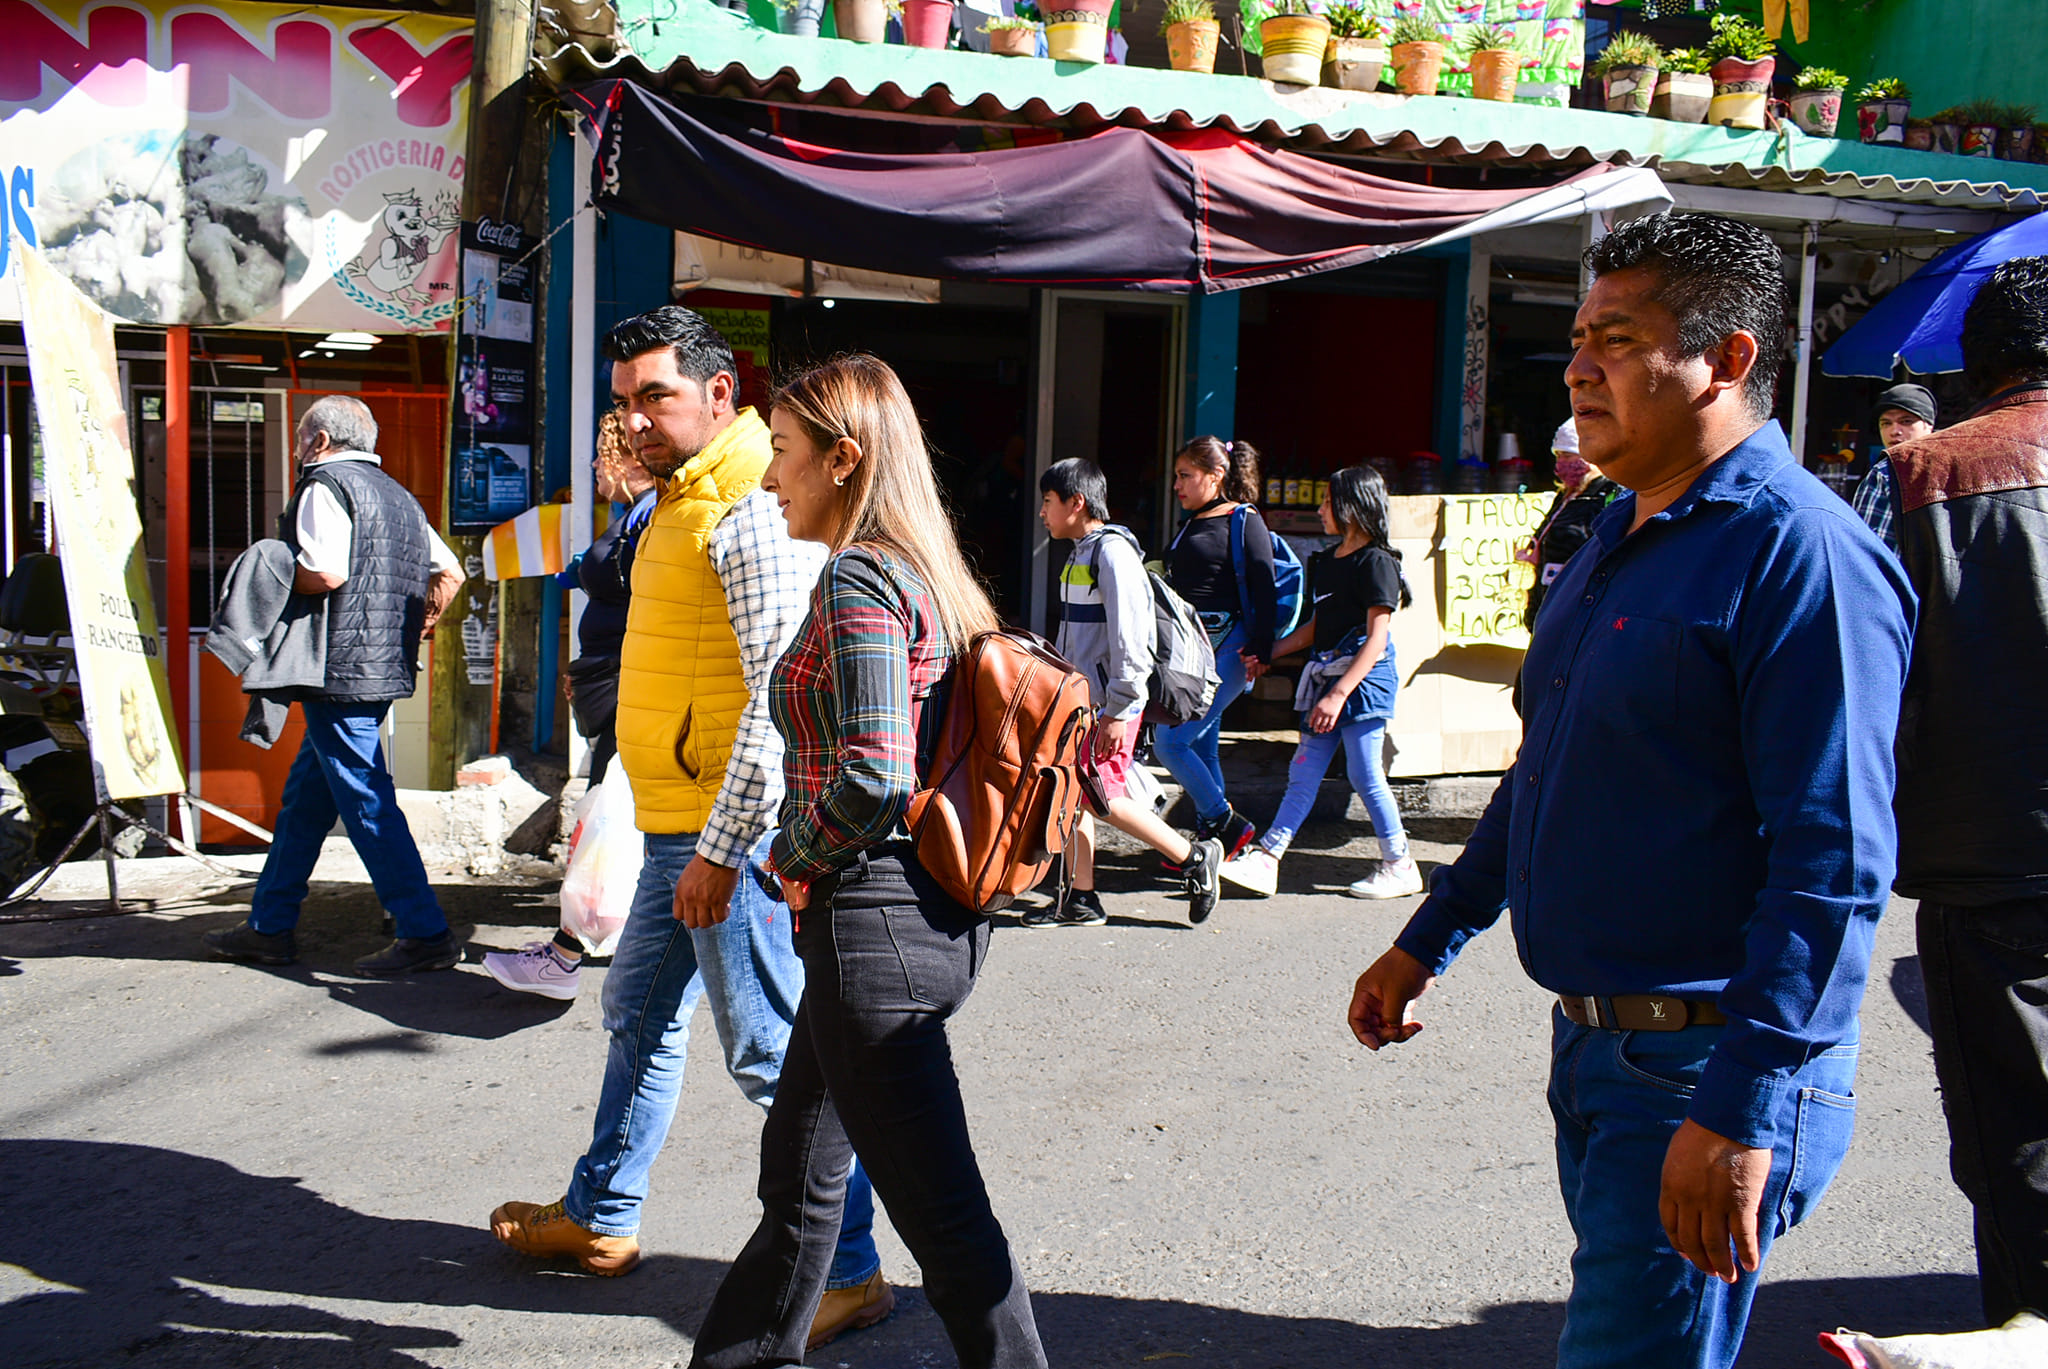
pixel 891 499
pixel 614 452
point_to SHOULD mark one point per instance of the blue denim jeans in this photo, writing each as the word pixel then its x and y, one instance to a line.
pixel 1361 742
pixel 1618 1098
pixel 1189 750
pixel 749 965
pixel 340 773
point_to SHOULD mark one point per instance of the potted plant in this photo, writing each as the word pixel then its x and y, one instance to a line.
pixel 1743 58
pixel 1948 129
pixel 862 21
pixel 1919 134
pixel 1881 110
pixel 1980 120
pixel 1012 35
pixel 1192 32
pixel 927 23
pixel 1684 89
pixel 1357 52
pixel 1495 63
pixel 1418 55
pixel 1291 43
pixel 2041 142
pixel 1627 68
pixel 1817 107
pixel 1078 30
pixel 2016 134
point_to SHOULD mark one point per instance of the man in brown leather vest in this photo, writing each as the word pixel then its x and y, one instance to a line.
pixel 1973 773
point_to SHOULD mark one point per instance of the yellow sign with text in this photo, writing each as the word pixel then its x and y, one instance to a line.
pixel 89 469
pixel 1486 588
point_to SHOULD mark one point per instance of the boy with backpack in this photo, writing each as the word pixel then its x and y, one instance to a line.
pixel 1107 632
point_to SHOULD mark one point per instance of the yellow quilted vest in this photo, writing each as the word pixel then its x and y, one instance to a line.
pixel 681 689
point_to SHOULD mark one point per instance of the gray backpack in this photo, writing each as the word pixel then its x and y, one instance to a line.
pixel 1183 681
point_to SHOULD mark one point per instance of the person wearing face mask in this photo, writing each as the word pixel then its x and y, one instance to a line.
pixel 1582 492
pixel 1905 413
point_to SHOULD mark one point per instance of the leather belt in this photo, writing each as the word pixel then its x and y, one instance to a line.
pixel 1640 1012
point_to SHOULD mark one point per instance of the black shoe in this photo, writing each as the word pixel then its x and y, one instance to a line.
pixel 246 943
pixel 1235 832
pixel 413 955
pixel 1083 908
pixel 1205 878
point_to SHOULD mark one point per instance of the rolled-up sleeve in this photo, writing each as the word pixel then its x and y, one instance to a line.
pixel 1820 654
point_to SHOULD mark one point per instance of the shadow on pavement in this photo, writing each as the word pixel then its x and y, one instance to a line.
pixel 1910 989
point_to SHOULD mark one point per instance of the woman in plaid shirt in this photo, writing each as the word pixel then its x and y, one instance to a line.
pixel 888 955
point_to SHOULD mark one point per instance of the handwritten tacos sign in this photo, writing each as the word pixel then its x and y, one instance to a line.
pixel 238 164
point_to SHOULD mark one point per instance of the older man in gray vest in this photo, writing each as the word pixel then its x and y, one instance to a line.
pixel 365 543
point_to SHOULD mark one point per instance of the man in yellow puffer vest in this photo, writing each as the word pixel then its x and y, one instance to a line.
pixel 718 590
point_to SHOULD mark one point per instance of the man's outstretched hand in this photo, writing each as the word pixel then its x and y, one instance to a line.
pixel 1380 1003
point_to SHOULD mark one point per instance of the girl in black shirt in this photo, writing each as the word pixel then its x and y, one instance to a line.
pixel 1212 478
pixel 1346 695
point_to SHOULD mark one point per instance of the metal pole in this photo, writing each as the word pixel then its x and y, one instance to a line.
pixel 1802 375
pixel 582 398
pixel 178 541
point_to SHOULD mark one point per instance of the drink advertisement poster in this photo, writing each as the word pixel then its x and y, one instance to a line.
pixel 492 479
pixel 259 165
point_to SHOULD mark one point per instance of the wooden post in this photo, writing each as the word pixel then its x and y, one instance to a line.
pixel 178 549
pixel 463 703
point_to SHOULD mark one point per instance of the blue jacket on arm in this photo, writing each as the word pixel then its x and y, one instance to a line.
pixel 1701 805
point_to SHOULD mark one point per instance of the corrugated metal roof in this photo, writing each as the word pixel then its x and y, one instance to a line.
pixel 696 46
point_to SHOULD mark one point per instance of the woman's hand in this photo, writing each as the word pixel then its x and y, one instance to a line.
pixel 1253 666
pixel 1323 716
pixel 795 892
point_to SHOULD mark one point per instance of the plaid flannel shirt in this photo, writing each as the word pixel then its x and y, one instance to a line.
pixel 1873 501
pixel 768 576
pixel 847 698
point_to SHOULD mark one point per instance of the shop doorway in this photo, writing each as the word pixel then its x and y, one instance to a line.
pixel 1112 393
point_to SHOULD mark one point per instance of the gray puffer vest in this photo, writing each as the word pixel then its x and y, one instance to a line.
pixel 374 618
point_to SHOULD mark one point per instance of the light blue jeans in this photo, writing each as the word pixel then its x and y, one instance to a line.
pixel 1189 750
pixel 340 773
pixel 1312 756
pixel 1617 1099
pixel 661 968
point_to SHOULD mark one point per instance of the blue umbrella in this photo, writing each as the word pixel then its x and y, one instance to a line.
pixel 1921 322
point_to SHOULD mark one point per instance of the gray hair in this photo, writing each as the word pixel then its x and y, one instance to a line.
pixel 345 419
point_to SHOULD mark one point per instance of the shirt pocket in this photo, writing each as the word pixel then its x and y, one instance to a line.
pixel 1629 672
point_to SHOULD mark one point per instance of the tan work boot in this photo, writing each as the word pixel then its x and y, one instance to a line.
pixel 547 1232
pixel 849 1309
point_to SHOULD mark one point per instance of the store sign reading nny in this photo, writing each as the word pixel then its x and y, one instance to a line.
pixel 236 164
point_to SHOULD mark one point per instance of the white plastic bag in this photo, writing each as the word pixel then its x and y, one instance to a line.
pixel 605 850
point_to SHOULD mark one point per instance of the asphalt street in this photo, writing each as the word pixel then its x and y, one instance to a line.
pixel 205 1164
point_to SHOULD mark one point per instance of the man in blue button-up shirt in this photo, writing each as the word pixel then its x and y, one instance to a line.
pixel 1712 694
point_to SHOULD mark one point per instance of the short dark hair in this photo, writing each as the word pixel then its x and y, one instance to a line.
pixel 1718 277
pixel 1078 475
pixel 2005 329
pixel 701 350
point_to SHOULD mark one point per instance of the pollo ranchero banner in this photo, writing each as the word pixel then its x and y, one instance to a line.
pixel 89 469
pixel 260 165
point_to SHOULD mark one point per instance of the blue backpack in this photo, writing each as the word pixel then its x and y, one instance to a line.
pixel 1289 579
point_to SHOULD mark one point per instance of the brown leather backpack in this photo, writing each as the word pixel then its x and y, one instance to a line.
pixel 1003 790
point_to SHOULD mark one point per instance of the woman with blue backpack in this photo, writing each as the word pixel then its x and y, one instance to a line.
pixel 1239 577
pixel 1346 693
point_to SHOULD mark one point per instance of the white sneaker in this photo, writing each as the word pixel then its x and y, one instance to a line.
pixel 534 968
pixel 1256 871
pixel 1394 879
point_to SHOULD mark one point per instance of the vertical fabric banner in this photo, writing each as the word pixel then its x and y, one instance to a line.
pixel 89 468
pixel 1486 589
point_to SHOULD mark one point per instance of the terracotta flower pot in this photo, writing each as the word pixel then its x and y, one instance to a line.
pixel 1354 63
pixel 1291 48
pixel 1817 111
pixel 1078 31
pixel 860 21
pixel 927 23
pixel 1418 67
pixel 1919 137
pixel 2017 144
pixel 1882 121
pixel 1979 140
pixel 1495 74
pixel 1013 42
pixel 1682 97
pixel 1629 89
pixel 1192 46
pixel 1740 91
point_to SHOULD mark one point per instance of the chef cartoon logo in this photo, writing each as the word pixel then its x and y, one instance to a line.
pixel 399 262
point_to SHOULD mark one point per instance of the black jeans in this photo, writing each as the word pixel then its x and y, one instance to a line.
pixel 888 957
pixel 1987 995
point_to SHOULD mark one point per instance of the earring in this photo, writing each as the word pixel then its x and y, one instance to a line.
pixel 839 480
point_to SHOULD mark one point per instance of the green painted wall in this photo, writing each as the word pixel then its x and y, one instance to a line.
pixel 1948 52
